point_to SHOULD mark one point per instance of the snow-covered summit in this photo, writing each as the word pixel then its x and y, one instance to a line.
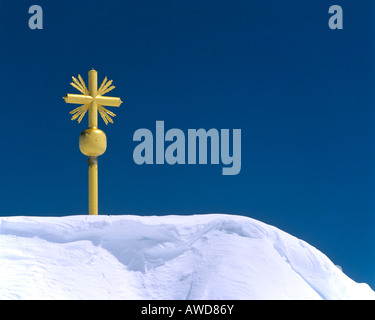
pixel 213 256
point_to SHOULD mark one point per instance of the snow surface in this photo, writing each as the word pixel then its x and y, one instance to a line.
pixel 213 256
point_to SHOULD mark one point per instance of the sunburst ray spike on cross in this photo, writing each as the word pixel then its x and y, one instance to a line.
pixel 92 141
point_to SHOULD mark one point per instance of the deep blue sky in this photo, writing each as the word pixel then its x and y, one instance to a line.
pixel 302 94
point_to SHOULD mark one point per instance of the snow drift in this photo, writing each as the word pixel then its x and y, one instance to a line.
pixel 211 256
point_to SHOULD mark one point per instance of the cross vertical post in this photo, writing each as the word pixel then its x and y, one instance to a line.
pixel 93 109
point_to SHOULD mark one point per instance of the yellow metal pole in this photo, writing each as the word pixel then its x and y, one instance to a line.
pixel 93 185
pixel 93 161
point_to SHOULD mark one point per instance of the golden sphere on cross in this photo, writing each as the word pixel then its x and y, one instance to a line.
pixel 92 142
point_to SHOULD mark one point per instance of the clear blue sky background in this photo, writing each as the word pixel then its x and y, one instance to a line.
pixel 302 94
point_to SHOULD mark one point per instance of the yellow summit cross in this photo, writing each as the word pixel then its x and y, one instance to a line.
pixel 92 141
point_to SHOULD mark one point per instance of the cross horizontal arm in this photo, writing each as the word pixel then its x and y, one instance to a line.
pixel 78 98
pixel 108 101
